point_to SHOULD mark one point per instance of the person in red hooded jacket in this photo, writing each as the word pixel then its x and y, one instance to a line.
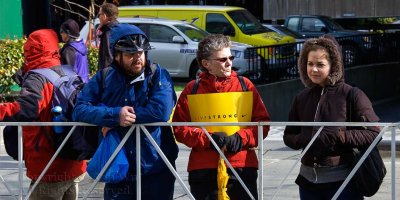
pixel 33 105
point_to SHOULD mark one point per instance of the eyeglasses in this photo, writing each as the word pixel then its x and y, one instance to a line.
pixel 223 59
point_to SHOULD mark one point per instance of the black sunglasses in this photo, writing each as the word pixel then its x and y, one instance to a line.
pixel 224 59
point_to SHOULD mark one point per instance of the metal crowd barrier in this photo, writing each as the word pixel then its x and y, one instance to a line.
pixel 142 127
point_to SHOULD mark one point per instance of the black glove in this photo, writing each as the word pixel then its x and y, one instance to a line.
pixel 234 143
pixel 327 139
pixel 329 135
pixel 219 138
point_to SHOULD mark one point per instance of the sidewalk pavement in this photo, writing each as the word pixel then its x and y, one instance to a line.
pixel 277 158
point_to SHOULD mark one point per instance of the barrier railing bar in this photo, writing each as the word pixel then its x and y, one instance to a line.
pixel 49 163
pixel 166 161
pixel 119 147
pixel 199 124
pixel 45 124
pixel 20 164
pixel 355 168
pixel 298 160
pixel 393 157
pixel 138 166
pixel 261 162
pixel 228 163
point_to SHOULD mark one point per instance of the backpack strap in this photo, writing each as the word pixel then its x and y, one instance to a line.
pixel 244 87
pixel 196 86
pixel 51 75
pixel 153 68
pixel 104 73
pixel 350 105
pixel 68 70
pixel 55 78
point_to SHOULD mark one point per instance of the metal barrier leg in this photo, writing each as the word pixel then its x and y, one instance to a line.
pixel 261 162
pixel 393 157
pixel 20 173
pixel 138 172
pixel 298 160
pixel 228 163
pixel 166 161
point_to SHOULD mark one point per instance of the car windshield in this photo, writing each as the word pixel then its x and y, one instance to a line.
pixel 289 32
pixel 335 26
pixel 192 32
pixel 247 23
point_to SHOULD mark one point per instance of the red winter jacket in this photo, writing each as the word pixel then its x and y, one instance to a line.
pixel 34 104
pixel 202 156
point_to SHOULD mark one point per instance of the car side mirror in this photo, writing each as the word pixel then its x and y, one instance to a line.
pixel 325 30
pixel 178 39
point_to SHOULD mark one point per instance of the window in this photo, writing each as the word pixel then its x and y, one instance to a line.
pixel 217 23
pixel 312 24
pixel 192 32
pixel 158 33
pixel 293 23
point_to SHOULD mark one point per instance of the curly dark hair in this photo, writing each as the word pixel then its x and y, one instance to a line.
pixel 331 46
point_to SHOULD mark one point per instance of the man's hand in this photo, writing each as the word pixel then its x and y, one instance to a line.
pixel 219 138
pixel 234 143
pixel 127 116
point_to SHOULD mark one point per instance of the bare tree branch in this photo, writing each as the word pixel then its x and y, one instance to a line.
pixel 73 3
pixel 69 11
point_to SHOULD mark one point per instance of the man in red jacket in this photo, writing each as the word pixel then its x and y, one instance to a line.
pixel 215 60
pixel 34 104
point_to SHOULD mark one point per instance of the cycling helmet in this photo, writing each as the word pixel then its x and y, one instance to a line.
pixel 132 44
pixel 128 38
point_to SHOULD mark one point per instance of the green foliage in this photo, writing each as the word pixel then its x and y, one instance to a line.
pixel 386 20
pixel 11 59
pixel 93 60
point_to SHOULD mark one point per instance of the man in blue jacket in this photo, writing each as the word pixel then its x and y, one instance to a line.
pixel 132 90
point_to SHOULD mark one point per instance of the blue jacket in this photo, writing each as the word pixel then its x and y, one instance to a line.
pixel 152 99
pixel 75 53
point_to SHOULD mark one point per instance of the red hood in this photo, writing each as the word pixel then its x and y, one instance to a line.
pixel 41 50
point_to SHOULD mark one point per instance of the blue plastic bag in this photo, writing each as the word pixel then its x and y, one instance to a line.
pixel 118 169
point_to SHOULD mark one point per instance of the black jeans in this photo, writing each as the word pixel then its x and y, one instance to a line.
pixel 203 184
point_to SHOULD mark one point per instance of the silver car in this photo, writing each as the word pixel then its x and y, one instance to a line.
pixel 174 45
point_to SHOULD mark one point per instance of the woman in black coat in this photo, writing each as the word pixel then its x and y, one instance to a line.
pixel 327 163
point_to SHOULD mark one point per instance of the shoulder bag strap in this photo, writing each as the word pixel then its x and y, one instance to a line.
pixel 195 86
pixel 243 84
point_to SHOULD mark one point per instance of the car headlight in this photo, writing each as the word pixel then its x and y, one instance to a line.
pixel 236 53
